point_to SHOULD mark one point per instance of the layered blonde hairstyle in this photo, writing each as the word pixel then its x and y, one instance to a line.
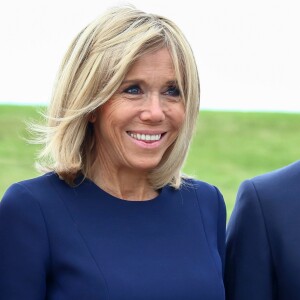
pixel 92 70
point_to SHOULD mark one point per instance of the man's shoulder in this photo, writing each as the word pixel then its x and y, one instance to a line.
pixel 273 187
pixel 281 176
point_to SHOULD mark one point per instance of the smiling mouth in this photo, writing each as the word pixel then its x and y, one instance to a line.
pixel 145 137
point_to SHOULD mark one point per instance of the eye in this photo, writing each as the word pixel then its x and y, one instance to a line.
pixel 173 91
pixel 133 89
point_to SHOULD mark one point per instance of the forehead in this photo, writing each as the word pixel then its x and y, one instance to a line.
pixel 156 62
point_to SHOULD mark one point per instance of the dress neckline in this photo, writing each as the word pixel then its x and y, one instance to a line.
pixel 92 185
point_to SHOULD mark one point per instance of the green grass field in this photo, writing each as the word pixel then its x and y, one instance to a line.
pixel 228 147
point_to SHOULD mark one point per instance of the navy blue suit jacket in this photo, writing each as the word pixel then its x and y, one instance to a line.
pixel 79 243
pixel 263 238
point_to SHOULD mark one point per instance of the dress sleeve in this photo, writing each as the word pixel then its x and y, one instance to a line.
pixel 24 247
pixel 248 269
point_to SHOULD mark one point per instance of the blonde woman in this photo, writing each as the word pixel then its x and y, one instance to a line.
pixel 113 217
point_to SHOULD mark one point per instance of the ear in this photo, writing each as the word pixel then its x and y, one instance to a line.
pixel 92 117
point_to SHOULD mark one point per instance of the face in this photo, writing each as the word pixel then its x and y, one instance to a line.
pixel 140 122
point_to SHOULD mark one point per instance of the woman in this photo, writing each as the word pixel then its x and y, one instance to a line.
pixel 114 218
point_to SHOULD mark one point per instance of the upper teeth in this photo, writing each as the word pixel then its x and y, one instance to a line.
pixel 145 137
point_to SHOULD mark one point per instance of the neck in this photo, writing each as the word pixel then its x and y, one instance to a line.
pixel 128 185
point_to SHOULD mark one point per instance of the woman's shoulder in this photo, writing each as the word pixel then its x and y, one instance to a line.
pixel 40 187
pixel 198 186
pixel 206 193
pixel 36 183
pixel 210 203
pixel 22 200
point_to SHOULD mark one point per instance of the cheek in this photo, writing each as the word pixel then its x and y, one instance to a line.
pixel 108 113
pixel 178 116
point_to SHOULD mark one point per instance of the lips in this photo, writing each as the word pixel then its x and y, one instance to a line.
pixel 145 137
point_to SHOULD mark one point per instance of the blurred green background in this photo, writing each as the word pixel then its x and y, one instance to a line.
pixel 227 148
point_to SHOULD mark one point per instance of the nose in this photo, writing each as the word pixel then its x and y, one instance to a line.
pixel 153 110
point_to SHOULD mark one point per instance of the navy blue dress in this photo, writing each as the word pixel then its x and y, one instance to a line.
pixel 66 243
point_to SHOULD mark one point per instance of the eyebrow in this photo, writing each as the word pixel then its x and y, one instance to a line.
pixel 140 81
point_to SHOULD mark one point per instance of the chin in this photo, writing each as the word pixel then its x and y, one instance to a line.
pixel 146 166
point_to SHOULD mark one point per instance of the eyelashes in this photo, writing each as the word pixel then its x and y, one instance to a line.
pixel 173 91
pixel 135 89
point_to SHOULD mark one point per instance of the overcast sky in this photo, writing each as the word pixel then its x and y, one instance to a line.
pixel 248 52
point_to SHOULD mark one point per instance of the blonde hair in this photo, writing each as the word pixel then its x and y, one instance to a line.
pixel 91 72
